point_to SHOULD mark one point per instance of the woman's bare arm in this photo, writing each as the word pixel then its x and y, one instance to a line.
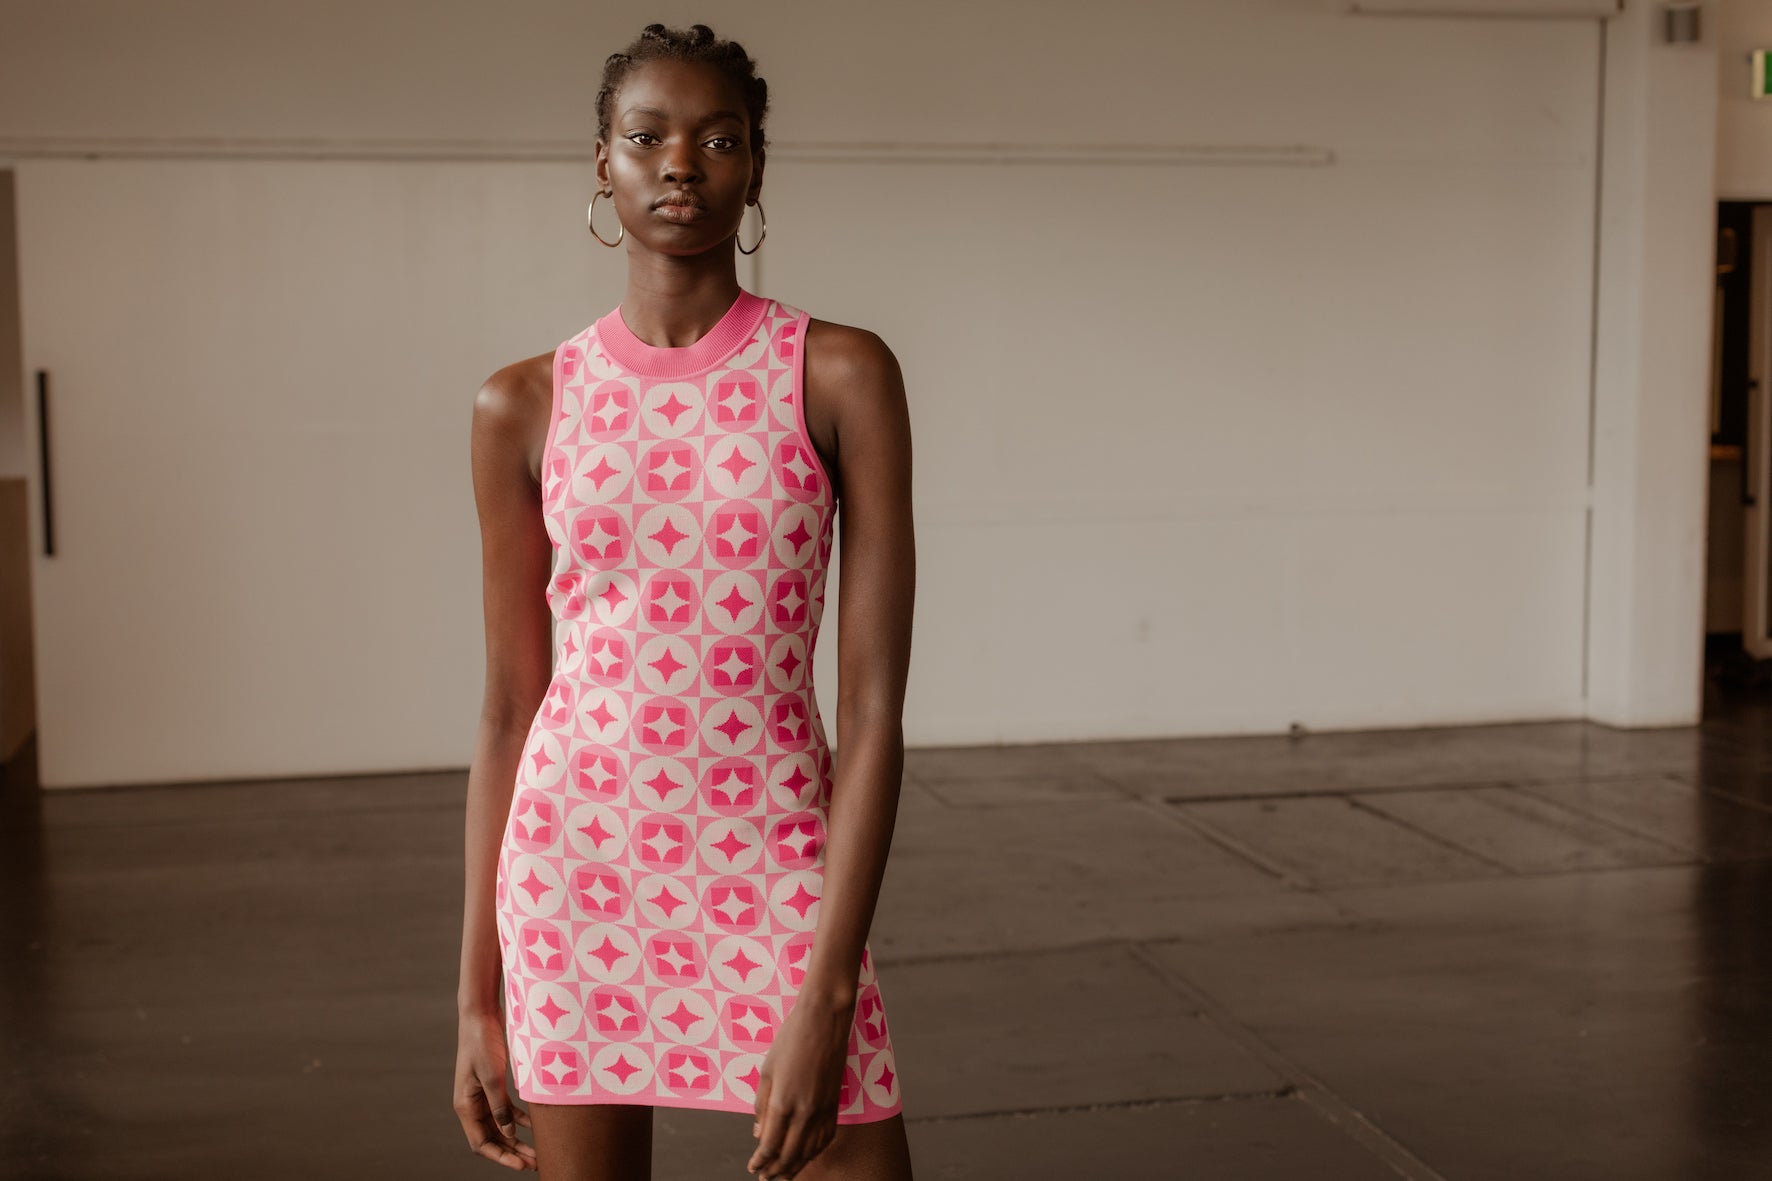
pixel 858 382
pixel 511 415
pixel 516 558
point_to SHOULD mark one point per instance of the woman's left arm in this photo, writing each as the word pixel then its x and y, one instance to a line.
pixel 860 394
pixel 875 592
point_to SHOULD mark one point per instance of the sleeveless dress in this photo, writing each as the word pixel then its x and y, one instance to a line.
pixel 659 875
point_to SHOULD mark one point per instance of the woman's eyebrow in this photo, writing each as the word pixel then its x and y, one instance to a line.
pixel 658 114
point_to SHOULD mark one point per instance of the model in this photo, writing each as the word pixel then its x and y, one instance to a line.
pixel 670 879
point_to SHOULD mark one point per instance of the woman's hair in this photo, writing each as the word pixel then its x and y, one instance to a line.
pixel 697 43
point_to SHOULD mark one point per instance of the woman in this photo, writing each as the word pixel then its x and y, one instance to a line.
pixel 669 880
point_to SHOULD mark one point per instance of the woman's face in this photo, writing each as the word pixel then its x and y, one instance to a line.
pixel 679 127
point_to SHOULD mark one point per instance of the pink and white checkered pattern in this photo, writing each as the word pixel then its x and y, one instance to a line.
pixel 659 878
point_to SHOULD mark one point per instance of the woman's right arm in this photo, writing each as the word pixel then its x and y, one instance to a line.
pixel 510 415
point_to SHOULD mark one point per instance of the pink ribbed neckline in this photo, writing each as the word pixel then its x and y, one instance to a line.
pixel 732 329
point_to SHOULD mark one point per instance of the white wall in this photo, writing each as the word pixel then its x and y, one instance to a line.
pixel 265 542
pixel 1744 124
pixel 1248 341
pixel 13 458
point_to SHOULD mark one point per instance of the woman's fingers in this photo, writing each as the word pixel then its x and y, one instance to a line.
pixel 493 1146
pixel 811 1134
pixel 788 1137
pixel 800 1135
pixel 504 1114
pixel 787 1158
pixel 507 1115
pixel 488 1117
pixel 768 1129
pixel 480 1116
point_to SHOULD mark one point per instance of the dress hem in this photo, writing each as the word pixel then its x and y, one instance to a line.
pixel 686 1101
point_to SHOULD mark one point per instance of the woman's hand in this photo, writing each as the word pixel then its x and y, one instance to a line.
pixel 801 1087
pixel 487 1114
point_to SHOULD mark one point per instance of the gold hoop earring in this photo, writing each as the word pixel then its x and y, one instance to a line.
pixel 760 237
pixel 589 224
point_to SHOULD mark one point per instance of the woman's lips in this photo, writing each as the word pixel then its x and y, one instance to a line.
pixel 682 213
pixel 681 205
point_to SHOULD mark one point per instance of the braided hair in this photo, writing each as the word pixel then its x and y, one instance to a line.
pixel 697 43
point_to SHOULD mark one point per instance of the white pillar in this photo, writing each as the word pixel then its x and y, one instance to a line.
pixel 1651 426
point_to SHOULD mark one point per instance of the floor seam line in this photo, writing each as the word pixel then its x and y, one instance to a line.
pixel 1231 844
pixel 1285 1092
pixel 1352 1122
pixel 1410 826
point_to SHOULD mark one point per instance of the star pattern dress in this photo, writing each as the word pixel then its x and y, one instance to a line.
pixel 659 875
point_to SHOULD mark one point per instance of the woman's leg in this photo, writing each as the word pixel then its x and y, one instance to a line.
pixel 592 1141
pixel 874 1151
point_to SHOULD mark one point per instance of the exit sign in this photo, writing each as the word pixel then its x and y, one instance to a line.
pixel 1762 74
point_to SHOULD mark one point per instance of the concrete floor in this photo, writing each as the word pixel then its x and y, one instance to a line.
pixel 1520 952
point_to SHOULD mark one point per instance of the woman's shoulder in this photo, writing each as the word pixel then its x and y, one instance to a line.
pixel 522 378
pixel 853 373
pixel 844 352
pixel 513 393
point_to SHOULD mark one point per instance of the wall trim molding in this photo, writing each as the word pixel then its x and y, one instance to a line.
pixel 579 151
pixel 1489 9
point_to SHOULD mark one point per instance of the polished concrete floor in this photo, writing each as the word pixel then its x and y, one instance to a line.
pixel 1501 952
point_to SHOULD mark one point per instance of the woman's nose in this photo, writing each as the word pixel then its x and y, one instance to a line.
pixel 680 164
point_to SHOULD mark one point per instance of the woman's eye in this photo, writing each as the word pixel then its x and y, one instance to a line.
pixel 730 140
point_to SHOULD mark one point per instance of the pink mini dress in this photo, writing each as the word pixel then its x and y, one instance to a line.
pixel 660 871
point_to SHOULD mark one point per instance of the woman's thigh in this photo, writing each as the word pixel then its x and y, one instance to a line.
pixel 592 1141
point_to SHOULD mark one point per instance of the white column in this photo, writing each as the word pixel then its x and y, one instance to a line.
pixel 1651 430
